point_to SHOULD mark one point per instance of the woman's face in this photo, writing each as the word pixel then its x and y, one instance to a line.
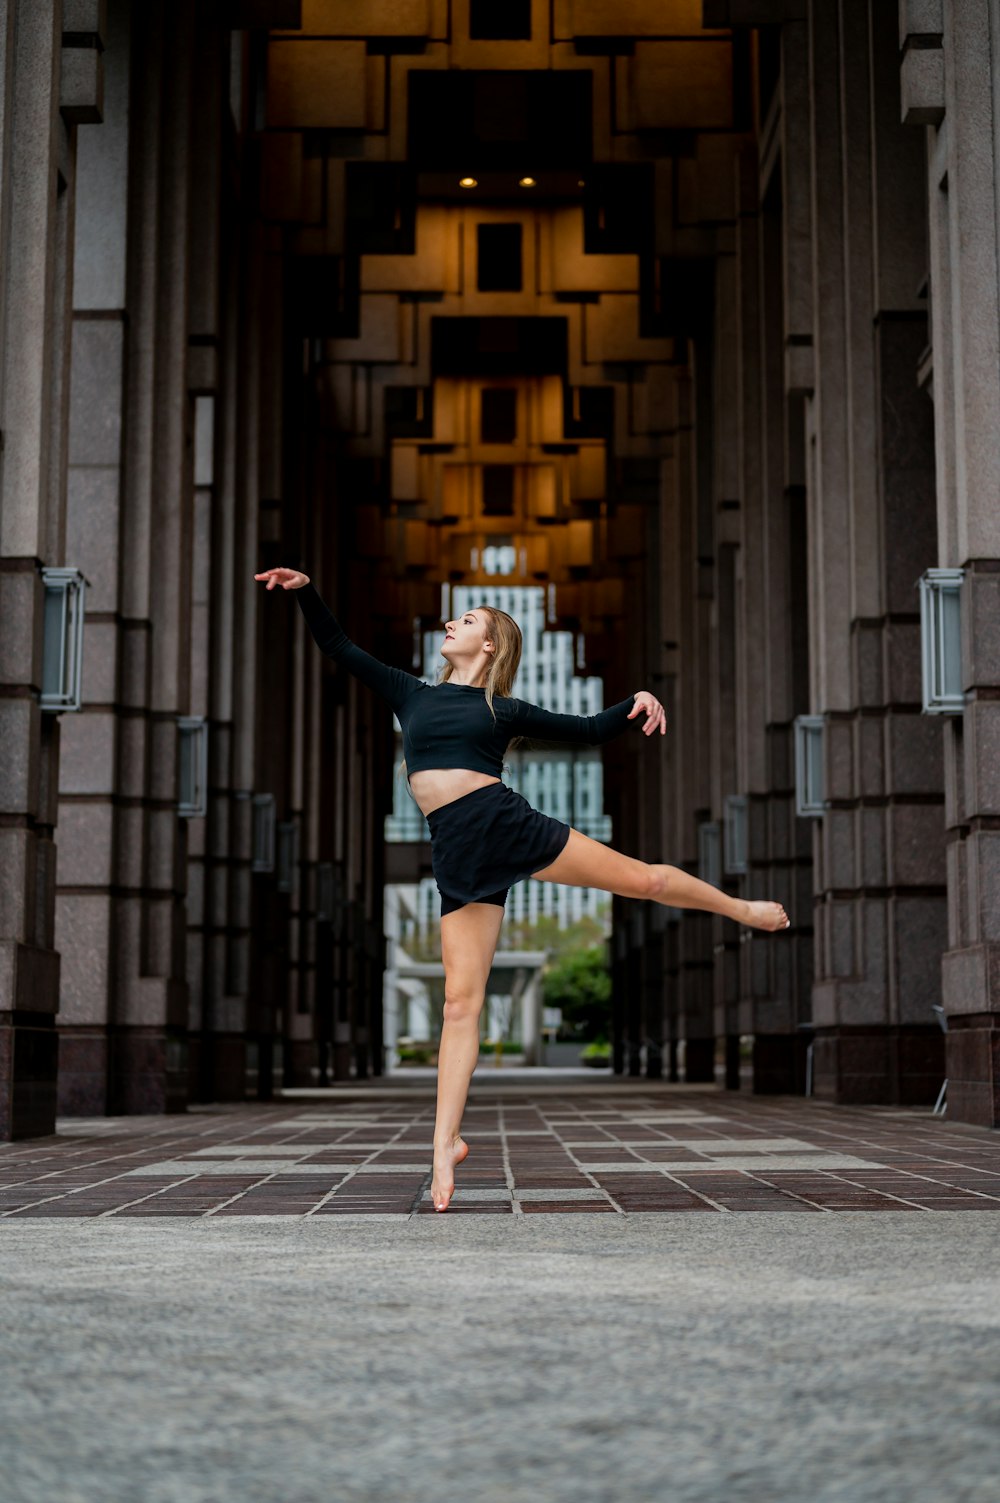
pixel 465 637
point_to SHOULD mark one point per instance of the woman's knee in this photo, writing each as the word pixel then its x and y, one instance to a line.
pixel 461 1003
pixel 657 881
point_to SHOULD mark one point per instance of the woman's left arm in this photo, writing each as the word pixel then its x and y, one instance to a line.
pixel 586 730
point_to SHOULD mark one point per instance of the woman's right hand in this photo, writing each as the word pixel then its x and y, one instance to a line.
pixel 288 579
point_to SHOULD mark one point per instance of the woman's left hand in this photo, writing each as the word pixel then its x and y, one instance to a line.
pixel 655 713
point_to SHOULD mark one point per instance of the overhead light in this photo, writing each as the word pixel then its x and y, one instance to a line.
pixel 468 182
pixel 528 182
pixel 581 183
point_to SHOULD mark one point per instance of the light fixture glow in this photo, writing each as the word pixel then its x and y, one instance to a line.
pixel 468 182
pixel 528 182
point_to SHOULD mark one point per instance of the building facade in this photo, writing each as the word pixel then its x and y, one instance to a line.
pixel 694 306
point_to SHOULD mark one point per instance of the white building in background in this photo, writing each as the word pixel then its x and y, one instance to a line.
pixel 567 785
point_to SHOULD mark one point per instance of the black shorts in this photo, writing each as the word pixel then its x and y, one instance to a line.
pixel 485 841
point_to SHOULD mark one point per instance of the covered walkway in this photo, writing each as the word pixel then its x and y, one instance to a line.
pixel 553 1148
pixel 298 1326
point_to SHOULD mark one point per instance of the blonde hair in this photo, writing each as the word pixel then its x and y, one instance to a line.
pixel 505 634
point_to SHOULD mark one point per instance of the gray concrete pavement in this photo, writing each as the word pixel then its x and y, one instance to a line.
pixel 702 1359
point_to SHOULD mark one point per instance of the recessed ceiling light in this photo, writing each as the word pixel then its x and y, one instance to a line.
pixel 528 182
pixel 468 182
pixel 581 183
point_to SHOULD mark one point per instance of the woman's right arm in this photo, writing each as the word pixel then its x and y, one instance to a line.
pixel 393 684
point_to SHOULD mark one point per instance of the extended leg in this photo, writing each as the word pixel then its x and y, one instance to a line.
pixel 468 942
pixel 587 863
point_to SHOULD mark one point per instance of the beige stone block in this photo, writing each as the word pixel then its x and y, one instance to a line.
pixel 316 84
pixel 20 595
pixel 921 86
pixel 100 662
pixel 919 936
pixel 164 749
pixel 135 645
pixel 96 391
pixel 920 18
pixel 87 18
pixel 680 86
pixel 132 755
pixel 839 846
pixel 871 853
pixel 163 848
pixel 81 86
pixel 87 759
pixel 800 370
pixel 20 737
pixel 981 742
pixel 92 513
pixel 83 939
pixel 17 880
pixel 84 839
pixel 916 845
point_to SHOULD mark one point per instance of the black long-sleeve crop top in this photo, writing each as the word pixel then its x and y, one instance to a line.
pixel 450 725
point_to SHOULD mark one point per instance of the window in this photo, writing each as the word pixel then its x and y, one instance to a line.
pixel 810 802
pixel 498 257
pixel 500 20
pixel 192 802
pixel 708 852
pixel 941 641
pixel 288 853
pixel 498 416
pixel 734 835
pixel 263 832
pixel 498 490
pixel 62 644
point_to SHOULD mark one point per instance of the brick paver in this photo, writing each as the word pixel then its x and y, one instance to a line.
pixel 619 1151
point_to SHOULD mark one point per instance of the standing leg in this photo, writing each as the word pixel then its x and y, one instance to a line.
pixel 587 863
pixel 468 942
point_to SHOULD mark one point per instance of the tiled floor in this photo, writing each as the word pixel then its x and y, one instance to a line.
pixel 610 1150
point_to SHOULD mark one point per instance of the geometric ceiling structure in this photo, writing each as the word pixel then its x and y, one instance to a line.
pixel 501 223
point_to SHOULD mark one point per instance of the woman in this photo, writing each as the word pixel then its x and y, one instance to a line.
pixel 484 836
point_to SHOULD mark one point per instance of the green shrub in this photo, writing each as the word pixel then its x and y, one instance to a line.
pixel 579 983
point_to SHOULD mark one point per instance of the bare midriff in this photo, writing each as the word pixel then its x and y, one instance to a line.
pixel 436 786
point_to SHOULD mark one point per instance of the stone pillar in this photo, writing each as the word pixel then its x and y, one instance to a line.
pixel 89 822
pixel 879 847
pixel 229 324
pixel 950 85
pixel 131 505
pixel 43 99
pixel 693 723
pixel 776 974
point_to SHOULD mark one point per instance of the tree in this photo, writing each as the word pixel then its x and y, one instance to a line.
pixel 580 984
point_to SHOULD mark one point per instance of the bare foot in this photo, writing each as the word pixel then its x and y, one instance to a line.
pixel 766 916
pixel 446 1157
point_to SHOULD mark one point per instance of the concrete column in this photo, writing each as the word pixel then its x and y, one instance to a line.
pixel 953 88
pixel 776 976
pixel 692 725
pixel 37 178
pixel 90 824
pixel 879 847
